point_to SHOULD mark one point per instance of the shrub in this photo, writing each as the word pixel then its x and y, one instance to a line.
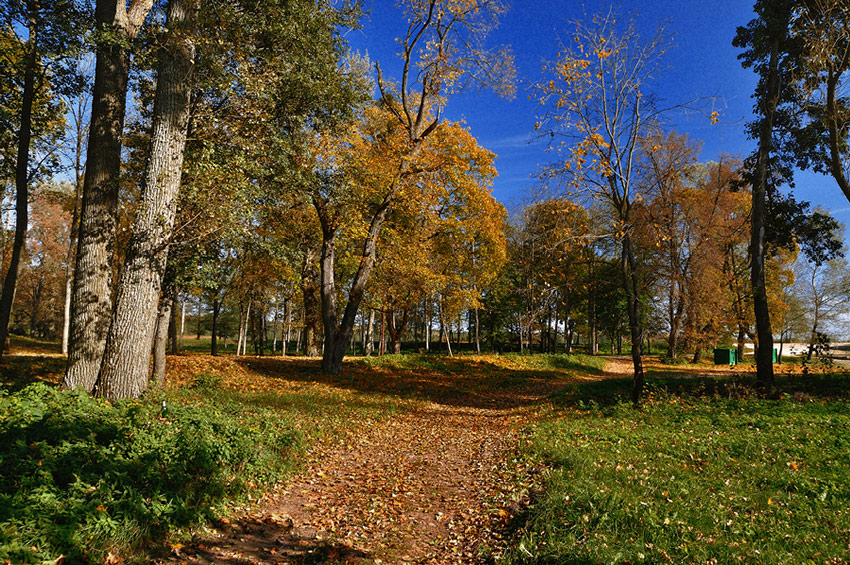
pixel 80 476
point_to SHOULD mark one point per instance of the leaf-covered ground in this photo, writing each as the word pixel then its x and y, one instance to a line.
pixel 411 459
pixel 431 481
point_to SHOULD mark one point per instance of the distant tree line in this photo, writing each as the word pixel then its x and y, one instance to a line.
pixel 279 193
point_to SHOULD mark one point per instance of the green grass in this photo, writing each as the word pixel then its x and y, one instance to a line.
pixel 692 477
pixel 83 478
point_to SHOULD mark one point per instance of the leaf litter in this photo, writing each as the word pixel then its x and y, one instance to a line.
pixel 432 482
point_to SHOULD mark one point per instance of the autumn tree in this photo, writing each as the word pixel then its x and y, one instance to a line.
pixel 691 214
pixel 556 260
pixel 467 223
pixel 49 34
pixel 598 101
pixel 668 225
pixel 442 51
pixel 39 297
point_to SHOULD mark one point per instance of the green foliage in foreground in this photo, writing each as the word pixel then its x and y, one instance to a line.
pixel 696 480
pixel 80 477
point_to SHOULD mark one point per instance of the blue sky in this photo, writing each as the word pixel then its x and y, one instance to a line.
pixel 702 63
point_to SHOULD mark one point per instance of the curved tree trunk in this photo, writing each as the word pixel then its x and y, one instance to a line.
pixel 126 358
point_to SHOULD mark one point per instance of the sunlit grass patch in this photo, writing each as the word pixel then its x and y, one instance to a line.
pixel 691 479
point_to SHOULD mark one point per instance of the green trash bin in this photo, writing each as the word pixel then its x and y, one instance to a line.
pixel 725 357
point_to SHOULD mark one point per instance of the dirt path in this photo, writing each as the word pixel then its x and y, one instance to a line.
pixel 411 489
pixel 416 487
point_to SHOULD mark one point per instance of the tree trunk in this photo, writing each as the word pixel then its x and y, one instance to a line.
pixel 428 325
pixel 182 321
pixel 764 354
pixel 66 316
pixel 70 258
pixel 7 296
pixel 593 343
pixel 275 324
pixel 632 284
pixel 259 331
pixel 675 323
pixel 216 308
pixel 287 314
pixel 382 344
pixel 397 328
pixel 370 335
pixel 163 325
pixel 739 352
pixel 172 327
pixel 91 296
pixel 813 339
pixel 311 292
pixel 477 337
pixel 697 355
pixel 37 294
pixel 242 339
pixel 124 370
pixel 299 337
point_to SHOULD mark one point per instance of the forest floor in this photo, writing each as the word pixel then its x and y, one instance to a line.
pixel 409 459
pixel 432 482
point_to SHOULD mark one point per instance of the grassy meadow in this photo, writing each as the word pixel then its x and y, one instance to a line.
pixel 705 470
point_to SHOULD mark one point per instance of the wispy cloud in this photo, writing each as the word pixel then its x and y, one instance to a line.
pixel 515 141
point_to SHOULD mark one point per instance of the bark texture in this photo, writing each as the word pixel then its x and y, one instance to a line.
pixel 126 359
pixel 91 296
pixel 310 290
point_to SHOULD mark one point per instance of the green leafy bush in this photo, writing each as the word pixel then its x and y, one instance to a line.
pixel 80 477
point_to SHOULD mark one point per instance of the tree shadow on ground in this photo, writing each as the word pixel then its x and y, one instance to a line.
pixel 801 387
pixel 474 382
pixel 260 539
pixel 18 371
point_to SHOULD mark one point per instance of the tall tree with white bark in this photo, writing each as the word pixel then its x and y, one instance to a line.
pixel 91 298
pixel 126 359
